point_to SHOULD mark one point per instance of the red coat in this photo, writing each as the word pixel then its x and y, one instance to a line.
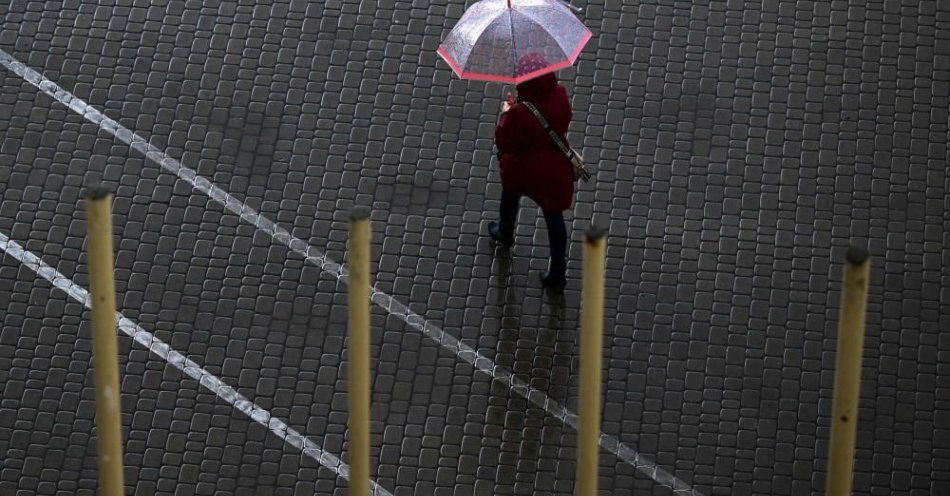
pixel 530 163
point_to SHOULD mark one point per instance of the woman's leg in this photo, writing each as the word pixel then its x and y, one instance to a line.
pixel 557 237
pixel 503 231
pixel 508 212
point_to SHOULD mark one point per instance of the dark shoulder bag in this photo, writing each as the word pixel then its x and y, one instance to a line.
pixel 580 172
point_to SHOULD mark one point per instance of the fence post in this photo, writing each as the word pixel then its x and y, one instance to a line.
pixel 850 349
pixel 105 354
pixel 592 326
pixel 358 380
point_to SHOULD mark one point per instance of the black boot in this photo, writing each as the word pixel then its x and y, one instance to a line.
pixel 499 234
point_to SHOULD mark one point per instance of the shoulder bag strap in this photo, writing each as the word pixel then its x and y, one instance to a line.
pixel 554 136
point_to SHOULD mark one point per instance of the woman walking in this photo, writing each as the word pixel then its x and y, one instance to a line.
pixel 532 165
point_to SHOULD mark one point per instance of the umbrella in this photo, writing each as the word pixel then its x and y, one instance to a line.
pixel 493 36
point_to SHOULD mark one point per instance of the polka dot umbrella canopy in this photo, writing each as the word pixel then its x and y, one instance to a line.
pixel 512 41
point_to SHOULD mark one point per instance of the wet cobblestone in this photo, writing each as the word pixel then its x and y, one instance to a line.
pixel 739 148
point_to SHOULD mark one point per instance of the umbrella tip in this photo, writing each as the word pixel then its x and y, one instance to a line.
pixel 575 8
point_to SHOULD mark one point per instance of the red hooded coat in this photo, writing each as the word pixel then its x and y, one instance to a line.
pixel 530 163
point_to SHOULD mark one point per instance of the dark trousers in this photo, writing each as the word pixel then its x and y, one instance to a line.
pixel 557 232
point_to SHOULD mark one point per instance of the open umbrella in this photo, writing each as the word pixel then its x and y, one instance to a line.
pixel 494 35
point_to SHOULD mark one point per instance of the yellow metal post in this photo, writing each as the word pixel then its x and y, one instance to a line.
pixel 105 354
pixel 850 349
pixel 358 381
pixel 592 327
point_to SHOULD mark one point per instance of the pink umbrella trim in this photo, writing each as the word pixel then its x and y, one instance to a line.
pixel 520 79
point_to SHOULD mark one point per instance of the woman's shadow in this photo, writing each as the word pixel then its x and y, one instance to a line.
pixel 536 345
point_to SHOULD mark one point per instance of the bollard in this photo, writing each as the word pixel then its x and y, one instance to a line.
pixel 358 381
pixel 105 354
pixel 592 326
pixel 850 349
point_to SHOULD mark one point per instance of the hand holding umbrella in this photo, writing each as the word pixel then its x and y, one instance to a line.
pixel 507 104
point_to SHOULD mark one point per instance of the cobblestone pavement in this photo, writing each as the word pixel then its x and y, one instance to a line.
pixel 740 147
